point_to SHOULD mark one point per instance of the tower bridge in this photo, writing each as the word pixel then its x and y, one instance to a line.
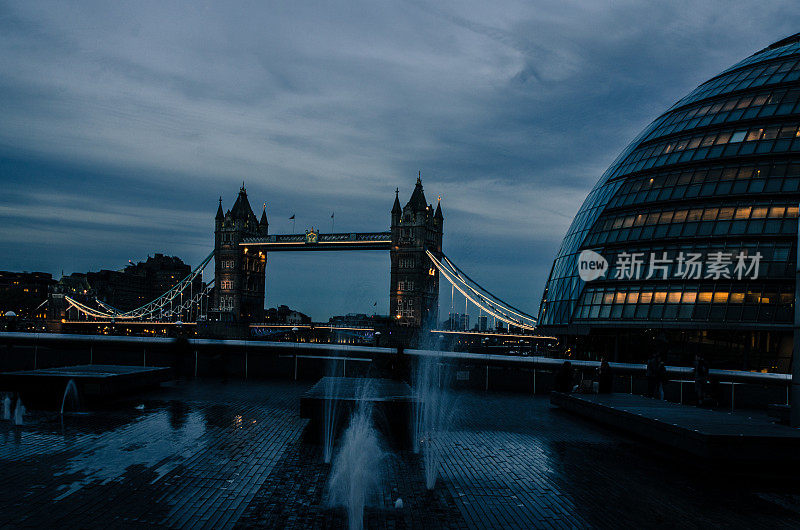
pixel 242 244
pixel 234 298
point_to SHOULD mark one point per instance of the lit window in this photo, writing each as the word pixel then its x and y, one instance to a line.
pixel 695 214
pixel 708 140
pixel 777 211
pixel 723 138
pixel 736 298
pixel 760 100
pixel 674 297
pixel 754 134
pixel 726 213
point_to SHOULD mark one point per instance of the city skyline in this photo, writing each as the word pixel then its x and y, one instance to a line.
pixel 122 128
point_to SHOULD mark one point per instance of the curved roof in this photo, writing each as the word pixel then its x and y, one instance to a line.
pixel 714 127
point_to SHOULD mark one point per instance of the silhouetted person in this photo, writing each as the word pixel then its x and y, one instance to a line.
pixel 181 350
pixel 661 378
pixel 605 378
pixel 400 367
pixel 563 380
pixel 652 375
pixel 700 378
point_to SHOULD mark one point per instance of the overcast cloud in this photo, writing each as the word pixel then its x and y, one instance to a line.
pixel 122 122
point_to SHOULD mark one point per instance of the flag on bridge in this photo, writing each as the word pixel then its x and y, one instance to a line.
pixel 292 217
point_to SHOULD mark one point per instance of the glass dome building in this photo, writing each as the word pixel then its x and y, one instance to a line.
pixel 693 228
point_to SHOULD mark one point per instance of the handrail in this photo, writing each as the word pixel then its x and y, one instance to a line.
pixel 533 362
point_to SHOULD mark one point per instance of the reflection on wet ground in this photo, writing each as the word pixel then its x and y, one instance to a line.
pixel 209 454
pixel 194 453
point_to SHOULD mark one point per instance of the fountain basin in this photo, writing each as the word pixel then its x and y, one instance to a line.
pixel 391 403
pixel 45 387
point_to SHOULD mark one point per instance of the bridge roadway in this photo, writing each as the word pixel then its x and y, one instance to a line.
pixel 320 325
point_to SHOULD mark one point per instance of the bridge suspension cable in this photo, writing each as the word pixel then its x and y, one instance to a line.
pixel 159 303
pixel 484 293
pixel 481 297
pixel 163 306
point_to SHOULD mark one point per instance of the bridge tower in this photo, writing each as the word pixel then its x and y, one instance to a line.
pixel 240 273
pixel 414 289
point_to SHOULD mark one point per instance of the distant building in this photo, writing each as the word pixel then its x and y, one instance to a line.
pixel 456 322
pixel 483 323
pixel 124 290
pixel 285 315
pixel 24 292
pixel 354 320
pixel 138 284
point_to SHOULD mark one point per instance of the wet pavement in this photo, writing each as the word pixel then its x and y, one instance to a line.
pixel 208 454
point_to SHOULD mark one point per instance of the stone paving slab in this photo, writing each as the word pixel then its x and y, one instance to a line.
pixel 212 455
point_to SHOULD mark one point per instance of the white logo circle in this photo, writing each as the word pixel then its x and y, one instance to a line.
pixel 591 265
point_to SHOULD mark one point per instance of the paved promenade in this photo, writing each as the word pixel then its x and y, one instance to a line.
pixel 206 454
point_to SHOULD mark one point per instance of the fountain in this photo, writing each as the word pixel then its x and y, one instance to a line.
pixel 7 407
pixel 356 474
pixel 431 415
pixel 330 402
pixel 70 396
pixel 331 388
pixel 379 414
pixel 19 412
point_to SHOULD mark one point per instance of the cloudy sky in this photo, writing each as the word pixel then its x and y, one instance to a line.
pixel 122 122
